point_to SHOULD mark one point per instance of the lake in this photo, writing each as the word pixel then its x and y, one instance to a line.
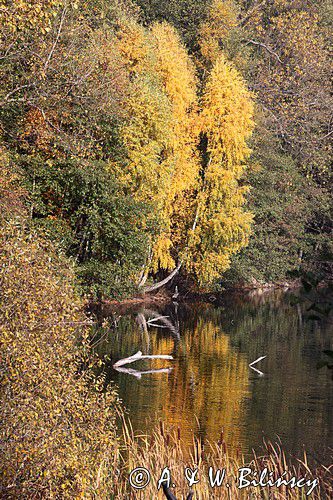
pixel 209 387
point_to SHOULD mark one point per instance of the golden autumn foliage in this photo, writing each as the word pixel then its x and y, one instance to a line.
pixel 223 227
pixel 11 192
pixel 146 133
pixel 227 116
pixel 179 83
pixel 57 434
pixel 162 141
pixel 128 95
pixel 217 30
pixel 132 153
pixel 22 15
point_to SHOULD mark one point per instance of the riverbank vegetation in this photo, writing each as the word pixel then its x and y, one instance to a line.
pixel 137 140
pixel 57 431
pixel 132 127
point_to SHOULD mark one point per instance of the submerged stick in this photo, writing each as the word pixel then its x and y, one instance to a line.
pixel 164 320
pixel 139 355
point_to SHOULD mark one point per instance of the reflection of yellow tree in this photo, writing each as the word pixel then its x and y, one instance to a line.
pixel 209 381
pixel 213 384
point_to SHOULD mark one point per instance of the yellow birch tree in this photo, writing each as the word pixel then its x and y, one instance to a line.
pixel 146 130
pixel 177 75
pixel 222 226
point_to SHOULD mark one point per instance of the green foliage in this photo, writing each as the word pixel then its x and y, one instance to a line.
pixel 81 206
pixel 284 204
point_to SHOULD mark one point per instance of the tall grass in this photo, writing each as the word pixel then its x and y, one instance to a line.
pixel 165 448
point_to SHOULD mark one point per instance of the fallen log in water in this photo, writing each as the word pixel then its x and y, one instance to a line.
pixel 255 362
pixel 138 356
pixel 138 374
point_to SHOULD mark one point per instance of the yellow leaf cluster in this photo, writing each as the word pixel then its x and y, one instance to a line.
pixel 165 164
pixel 161 254
pixel 179 82
pixel 227 116
pixel 23 15
pixel 177 75
pixel 227 122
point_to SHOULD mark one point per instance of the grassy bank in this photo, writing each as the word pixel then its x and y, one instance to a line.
pixel 164 448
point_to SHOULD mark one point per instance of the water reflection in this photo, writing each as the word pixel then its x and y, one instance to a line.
pixel 211 384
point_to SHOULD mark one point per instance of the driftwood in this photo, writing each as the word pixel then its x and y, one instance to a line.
pixel 138 374
pixel 163 282
pixel 137 356
pixel 170 496
pixel 156 318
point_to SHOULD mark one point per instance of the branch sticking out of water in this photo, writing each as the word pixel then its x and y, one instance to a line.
pixel 139 355
pixel 257 361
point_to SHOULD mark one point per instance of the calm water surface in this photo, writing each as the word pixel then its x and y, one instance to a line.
pixel 211 387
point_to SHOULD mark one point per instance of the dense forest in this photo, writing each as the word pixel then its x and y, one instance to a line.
pixel 141 141
pixel 146 138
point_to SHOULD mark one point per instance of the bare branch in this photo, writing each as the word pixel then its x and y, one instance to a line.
pixel 139 355
pixel 63 14
pixel 260 44
pixel 163 282
pixel 21 87
pixel 250 12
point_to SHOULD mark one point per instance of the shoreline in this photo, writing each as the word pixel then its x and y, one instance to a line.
pixel 165 297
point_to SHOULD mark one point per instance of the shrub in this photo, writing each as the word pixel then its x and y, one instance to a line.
pixel 81 206
pixel 57 428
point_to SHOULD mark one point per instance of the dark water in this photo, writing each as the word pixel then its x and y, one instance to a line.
pixel 211 386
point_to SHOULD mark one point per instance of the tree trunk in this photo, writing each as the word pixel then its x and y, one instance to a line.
pixel 166 280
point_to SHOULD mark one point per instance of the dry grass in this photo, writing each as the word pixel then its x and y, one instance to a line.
pixel 165 449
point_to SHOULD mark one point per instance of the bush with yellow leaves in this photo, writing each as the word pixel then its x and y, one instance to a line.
pixel 58 427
